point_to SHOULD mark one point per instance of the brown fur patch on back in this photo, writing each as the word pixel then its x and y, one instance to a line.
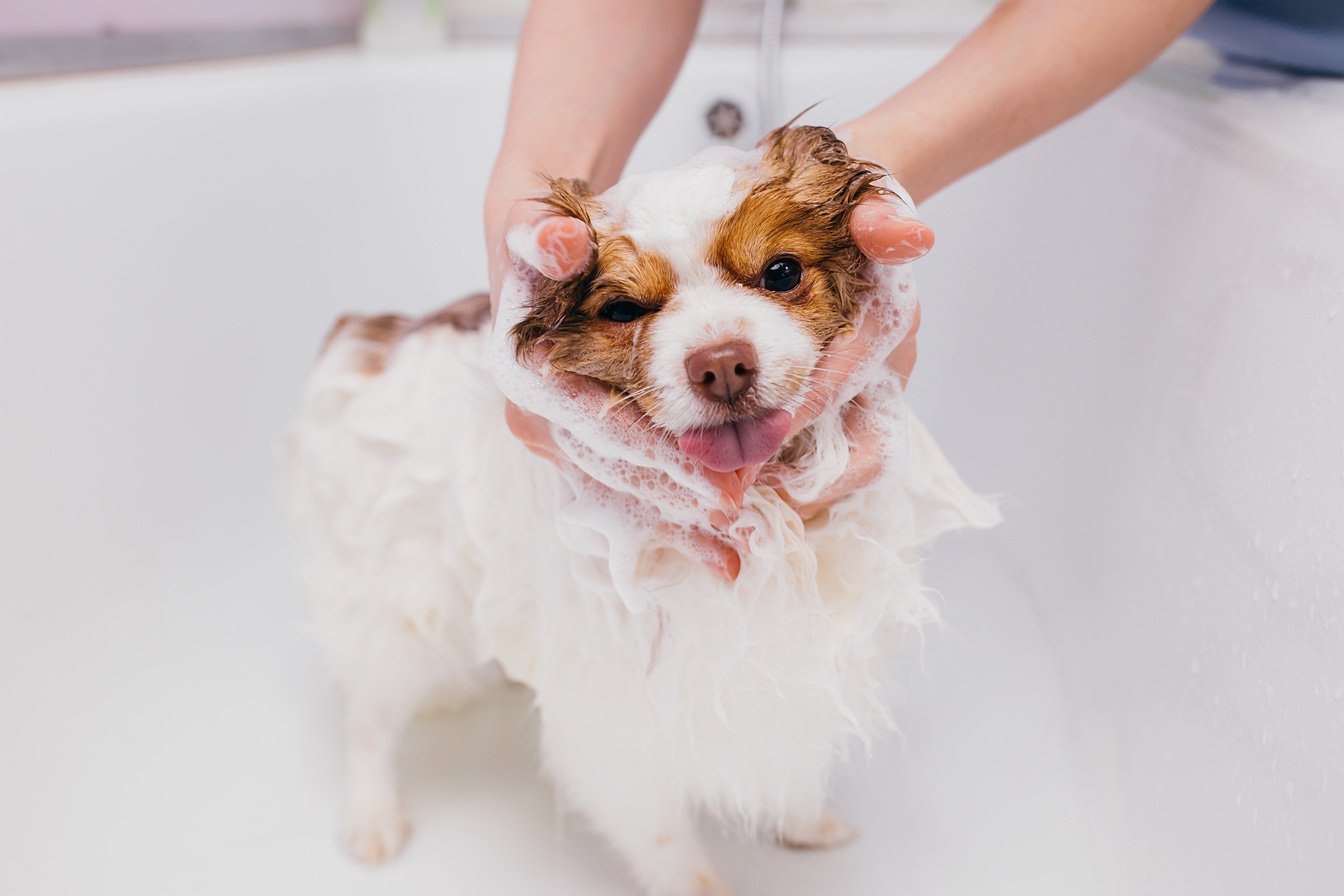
pixel 467 315
pixel 373 339
pixel 801 209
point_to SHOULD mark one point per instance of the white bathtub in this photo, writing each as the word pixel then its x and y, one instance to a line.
pixel 1133 331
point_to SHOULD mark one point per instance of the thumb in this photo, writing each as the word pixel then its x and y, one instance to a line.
pixel 556 246
pixel 888 233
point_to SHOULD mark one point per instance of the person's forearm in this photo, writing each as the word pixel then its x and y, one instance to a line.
pixel 590 75
pixel 1029 66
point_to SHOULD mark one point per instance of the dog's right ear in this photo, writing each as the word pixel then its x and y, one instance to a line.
pixel 561 247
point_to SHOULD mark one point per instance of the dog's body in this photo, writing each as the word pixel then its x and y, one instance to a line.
pixel 436 545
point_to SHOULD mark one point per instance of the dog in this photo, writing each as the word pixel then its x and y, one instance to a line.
pixel 437 549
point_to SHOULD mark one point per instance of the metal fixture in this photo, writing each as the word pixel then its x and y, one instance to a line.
pixel 724 119
pixel 767 63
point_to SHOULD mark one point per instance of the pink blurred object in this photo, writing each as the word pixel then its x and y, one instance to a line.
pixel 78 17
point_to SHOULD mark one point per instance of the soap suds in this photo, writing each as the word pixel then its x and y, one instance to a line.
pixel 639 503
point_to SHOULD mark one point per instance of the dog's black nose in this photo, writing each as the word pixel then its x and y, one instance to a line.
pixel 722 372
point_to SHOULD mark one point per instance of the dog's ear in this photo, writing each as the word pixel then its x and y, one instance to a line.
pixel 816 167
pixel 811 187
pixel 555 302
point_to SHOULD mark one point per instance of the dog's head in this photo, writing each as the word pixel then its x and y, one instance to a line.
pixel 714 289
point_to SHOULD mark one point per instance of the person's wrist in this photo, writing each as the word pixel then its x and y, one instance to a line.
pixel 505 187
pixel 528 163
pixel 521 174
pixel 894 148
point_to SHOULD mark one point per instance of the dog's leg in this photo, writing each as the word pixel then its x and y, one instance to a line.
pixel 634 807
pixel 657 837
pixel 662 844
pixel 375 827
pixel 825 831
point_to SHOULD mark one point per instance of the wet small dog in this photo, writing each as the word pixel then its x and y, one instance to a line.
pixel 709 308
pixel 435 546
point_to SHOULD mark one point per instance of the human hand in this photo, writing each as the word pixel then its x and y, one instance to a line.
pixel 886 230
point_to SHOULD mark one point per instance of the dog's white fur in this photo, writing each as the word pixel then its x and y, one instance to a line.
pixel 435 545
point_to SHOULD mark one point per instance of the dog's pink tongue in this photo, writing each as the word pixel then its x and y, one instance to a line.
pixel 742 443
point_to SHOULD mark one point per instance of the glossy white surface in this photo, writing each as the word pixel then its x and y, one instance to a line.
pixel 1133 328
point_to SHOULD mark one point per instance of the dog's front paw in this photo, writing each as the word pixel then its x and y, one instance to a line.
pixel 826 832
pixel 374 836
pixel 703 884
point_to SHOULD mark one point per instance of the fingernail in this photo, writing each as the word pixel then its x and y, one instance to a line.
pixel 732 567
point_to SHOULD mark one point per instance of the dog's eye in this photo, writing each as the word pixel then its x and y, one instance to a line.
pixel 782 274
pixel 623 311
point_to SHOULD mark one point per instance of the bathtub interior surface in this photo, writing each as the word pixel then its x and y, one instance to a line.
pixel 1138 688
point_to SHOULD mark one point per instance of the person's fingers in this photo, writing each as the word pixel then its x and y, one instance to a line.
pixel 738 481
pixel 886 232
pixel 712 549
pixel 556 245
pixel 866 459
pixel 521 213
pixel 843 356
pixel 721 558
pixel 729 487
pixel 533 431
pixel 902 360
pixel 563 247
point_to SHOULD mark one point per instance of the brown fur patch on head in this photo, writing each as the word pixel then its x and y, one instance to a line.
pixel 567 317
pixel 801 208
pixel 553 301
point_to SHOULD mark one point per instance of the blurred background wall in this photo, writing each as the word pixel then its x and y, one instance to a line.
pixel 58 36
pixel 68 17
pixel 63 36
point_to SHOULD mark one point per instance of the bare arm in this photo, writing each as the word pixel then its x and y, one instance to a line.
pixel 1029 66
pixel 590 75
